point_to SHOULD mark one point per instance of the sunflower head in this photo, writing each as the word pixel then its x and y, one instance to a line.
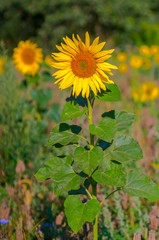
pixel 122 57
pixel 136 61
pixel 123 67
pixel 145 50
pixel 82 65
pixel 27 57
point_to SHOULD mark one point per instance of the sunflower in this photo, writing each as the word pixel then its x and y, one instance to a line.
pixel 122 57
pixel 27 57
pixel 82 65
pixel 147 91
pixel 135 61
pixel 145 50
pixel 154 49
pixel 123 67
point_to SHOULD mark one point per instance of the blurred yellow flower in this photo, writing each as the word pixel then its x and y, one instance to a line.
pixel 136 61
pixel 146 63
pixel 122 57
pixel 156 58
pixel 123 67
pixel 154 49
pixel 27 57
pixel 155 165
pixel 145 50
pixel 1 65
pixel 49 60
pixel 82 65
pixel 40 195
pixel 148 91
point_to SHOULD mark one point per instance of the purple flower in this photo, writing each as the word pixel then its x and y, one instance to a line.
pixel 3 221
pixel 46 224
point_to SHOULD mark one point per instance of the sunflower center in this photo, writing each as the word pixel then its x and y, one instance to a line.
pixel 28 56
pixel 83 65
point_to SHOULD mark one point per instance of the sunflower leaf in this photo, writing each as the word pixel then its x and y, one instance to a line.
pixel 78 213
pixel 71 111
pixel 63 134
pixel 140 185
pixel 112 94
pixel 114 176
pixel 106 129
pixel 125 149
pixel 88 160
pixel 62 174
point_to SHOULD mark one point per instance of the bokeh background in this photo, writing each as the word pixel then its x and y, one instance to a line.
pixel 30 106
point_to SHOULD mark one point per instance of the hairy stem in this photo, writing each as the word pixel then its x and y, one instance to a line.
pixel 118 189
pixel 94 185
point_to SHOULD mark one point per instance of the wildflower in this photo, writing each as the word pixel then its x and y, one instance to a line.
pixel 48 60
pixel 1 65
pixel 27 57
pixel 136 61
pixel 145 50
pixel 148 91
pixel 82 65
pixel 156 58
pixel 123 67
pixel 3 221
pixel 146 63
pixel 122 57
pixel 154 49
pixel 155 165
pixel 41 196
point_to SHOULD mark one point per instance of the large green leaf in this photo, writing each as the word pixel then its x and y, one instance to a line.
pixel 112 94
pixel 140 185
pixel 78 213
pixel 124 120
pixel 61 172
pixel 71 111
pixel 124 149
pixel 63 134
pixel 114 176
pixel 106 129
pixel 88 160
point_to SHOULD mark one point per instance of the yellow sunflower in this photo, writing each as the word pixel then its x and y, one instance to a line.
pixel 154 49
pixel 123 67
pixel 122 57
pixel 27 57
pixel 147 91
pixel 82 65
pixel 145 50
pixel 135 61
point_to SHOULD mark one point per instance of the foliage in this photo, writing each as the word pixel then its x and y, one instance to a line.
pixel 96 164
pixel 137 25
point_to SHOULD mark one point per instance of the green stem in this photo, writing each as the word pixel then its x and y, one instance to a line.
pixel 82 138
pixel 119 188
pixel 90 106
pixel 95 228
pixel 94 185
pixel 88 193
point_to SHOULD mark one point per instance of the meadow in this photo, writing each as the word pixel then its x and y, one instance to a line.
pixel 31 105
